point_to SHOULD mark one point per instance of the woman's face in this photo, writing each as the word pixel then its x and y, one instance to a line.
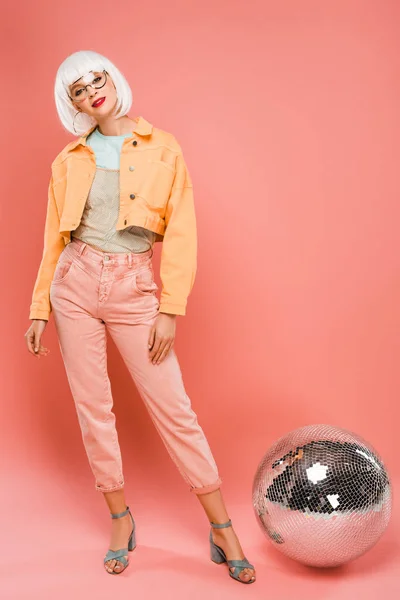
pixel 84 100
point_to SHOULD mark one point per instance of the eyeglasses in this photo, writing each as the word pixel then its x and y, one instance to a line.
pixel 79 92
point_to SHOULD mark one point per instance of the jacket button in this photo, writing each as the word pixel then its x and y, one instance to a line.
pixel 125 222
pixel 134 142
pixel 132 196
pixel 131 168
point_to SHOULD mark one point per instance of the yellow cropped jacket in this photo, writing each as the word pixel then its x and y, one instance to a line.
pixel 156 192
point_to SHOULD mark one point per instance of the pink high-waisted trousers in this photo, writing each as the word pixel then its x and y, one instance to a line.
pixel 93 290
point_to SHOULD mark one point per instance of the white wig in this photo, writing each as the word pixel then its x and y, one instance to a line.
pixel 76 66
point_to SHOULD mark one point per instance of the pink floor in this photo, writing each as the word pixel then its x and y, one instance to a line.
pixel 52 547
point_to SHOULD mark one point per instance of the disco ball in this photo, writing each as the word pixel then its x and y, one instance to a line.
pixel 321 494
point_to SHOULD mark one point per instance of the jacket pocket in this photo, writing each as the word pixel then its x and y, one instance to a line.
pixel 163 163
pixel 157 183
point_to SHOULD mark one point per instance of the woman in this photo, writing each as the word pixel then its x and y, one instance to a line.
pixel 118 188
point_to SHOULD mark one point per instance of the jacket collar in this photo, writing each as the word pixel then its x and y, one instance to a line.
pixel 142 127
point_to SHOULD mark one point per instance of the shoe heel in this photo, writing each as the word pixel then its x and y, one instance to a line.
pixel 132 541
pixel 217 555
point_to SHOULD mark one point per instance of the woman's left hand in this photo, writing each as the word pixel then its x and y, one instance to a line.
pixel 162 336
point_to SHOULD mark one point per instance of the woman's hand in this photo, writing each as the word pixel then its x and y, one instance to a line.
pixel 33 337
pixel 162 336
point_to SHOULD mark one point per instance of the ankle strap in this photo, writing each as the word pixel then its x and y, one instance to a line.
pixel 220 525
pixel 121 514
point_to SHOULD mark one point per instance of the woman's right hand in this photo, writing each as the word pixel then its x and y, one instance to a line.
pixel 33 337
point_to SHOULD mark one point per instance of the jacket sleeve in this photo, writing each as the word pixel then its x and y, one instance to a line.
pixel 53 246
pixel 179 248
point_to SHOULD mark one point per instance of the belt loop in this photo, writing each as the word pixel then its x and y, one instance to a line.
pixel 130 260
pixel 81 249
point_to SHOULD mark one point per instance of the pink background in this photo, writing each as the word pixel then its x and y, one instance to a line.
pixel 288 115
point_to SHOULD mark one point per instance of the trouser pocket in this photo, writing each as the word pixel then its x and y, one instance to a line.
pixel 63 268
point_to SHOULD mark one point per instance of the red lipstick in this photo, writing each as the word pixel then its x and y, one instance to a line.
pixel 98 102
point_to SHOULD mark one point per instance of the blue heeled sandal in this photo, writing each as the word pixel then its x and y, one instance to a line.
pixel 119 555
pixel 218 556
